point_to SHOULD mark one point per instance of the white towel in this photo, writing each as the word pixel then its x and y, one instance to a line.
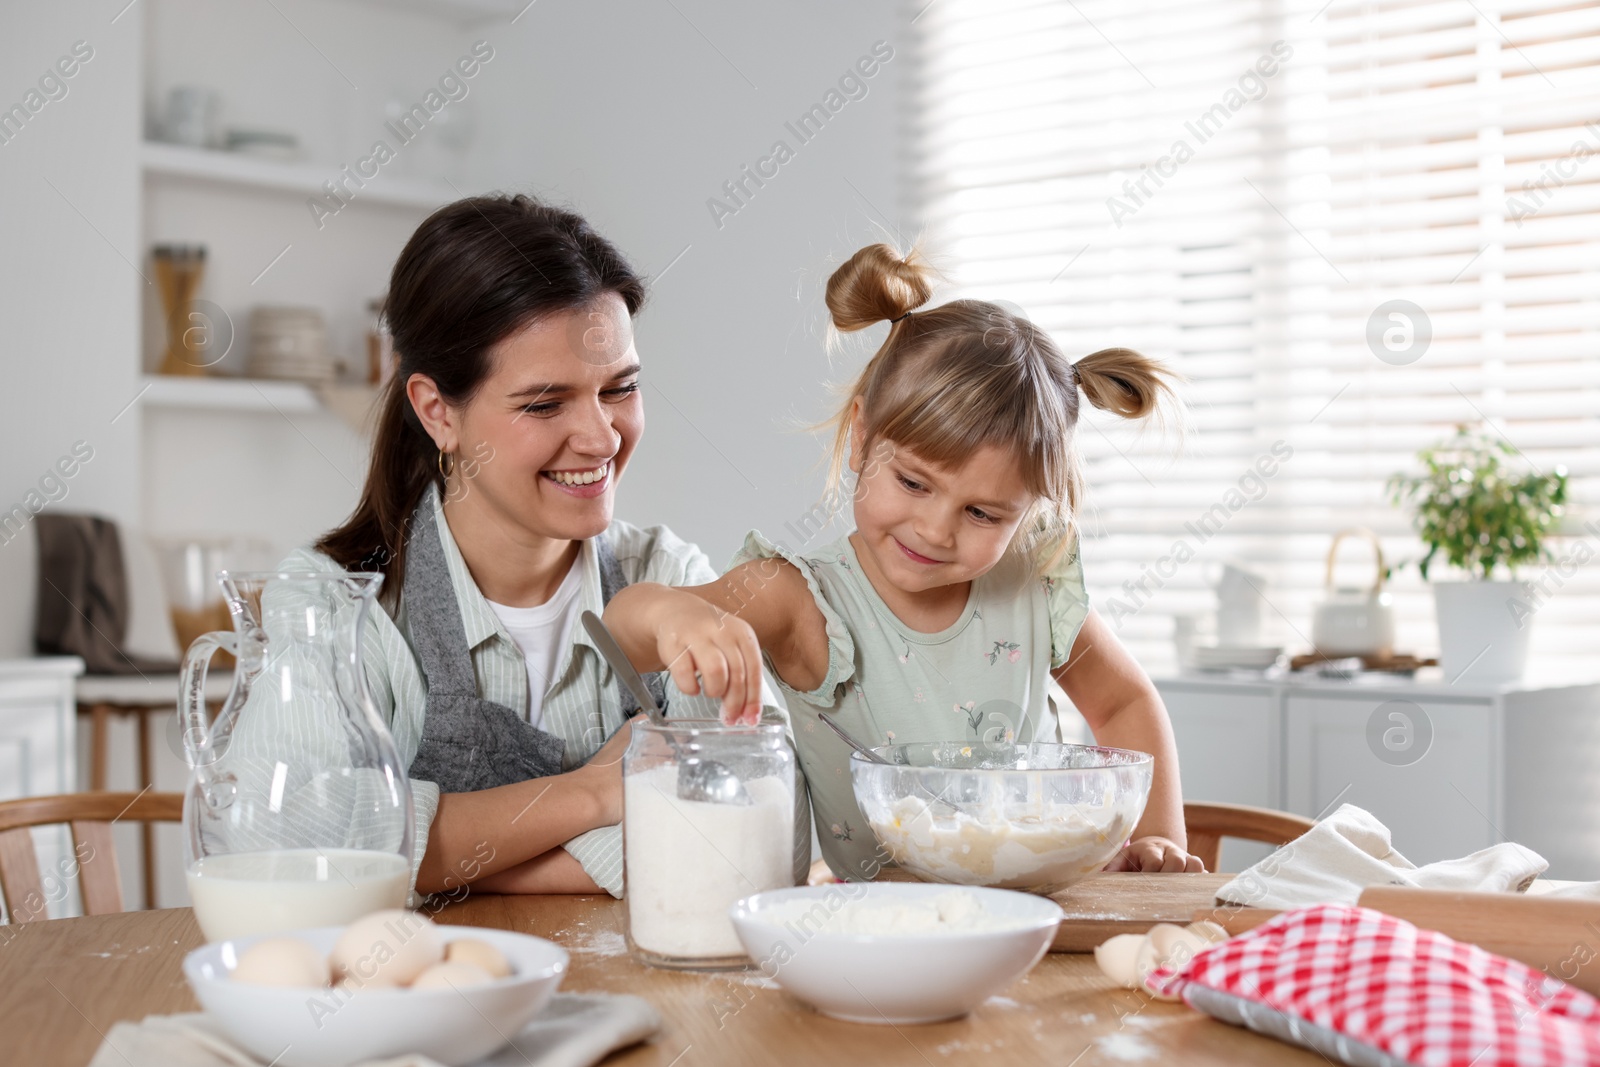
pixel 574 1030
pixel 1350 850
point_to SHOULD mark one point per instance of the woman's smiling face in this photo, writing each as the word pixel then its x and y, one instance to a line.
pixel 548 434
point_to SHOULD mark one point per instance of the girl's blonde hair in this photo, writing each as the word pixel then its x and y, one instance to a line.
pixel 969 373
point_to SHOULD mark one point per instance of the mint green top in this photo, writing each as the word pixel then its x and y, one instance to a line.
pixel 984 677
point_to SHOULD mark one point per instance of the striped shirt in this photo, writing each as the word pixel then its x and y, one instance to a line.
pixel 580 706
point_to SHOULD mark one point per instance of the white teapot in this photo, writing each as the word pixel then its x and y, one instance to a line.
pixel 1352 620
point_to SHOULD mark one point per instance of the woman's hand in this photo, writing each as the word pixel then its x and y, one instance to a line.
pixel 707 650
pixel 1155 855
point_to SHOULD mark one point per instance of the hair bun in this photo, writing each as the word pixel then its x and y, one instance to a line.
pixel 877 283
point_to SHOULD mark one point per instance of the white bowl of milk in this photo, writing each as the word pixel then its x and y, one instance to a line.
pixel 332 1027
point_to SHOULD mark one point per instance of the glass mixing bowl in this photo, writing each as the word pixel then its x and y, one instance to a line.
pixel 1036 817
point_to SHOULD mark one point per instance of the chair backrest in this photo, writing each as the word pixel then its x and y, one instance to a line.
pixel 90 815
pixel 1207 824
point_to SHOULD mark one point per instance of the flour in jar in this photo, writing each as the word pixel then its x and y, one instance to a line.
pixel 687 861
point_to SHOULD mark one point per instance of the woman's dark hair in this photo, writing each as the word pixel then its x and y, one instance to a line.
pixel 475 272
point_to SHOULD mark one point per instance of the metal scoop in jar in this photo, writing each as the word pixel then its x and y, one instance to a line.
pixel 698 778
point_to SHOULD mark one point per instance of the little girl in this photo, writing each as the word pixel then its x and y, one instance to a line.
pixel 939 616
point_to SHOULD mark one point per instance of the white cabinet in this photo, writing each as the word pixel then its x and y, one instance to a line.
pixel 1228 744
pixel 38 757
pixel 1449 769
pixel 1432 784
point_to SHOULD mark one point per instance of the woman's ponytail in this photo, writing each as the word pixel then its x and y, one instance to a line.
pixel 398 473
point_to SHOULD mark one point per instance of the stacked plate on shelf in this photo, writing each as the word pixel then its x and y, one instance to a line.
pixel 290 343
pixel 1235 657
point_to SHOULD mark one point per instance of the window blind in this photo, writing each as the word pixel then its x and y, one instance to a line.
pixel 1252 191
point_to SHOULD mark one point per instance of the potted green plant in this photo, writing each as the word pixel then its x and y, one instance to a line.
pixel 1481 506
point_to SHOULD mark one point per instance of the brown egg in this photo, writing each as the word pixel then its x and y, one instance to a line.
pixel 485 955
pixel 386 948
pixel 282 961
pixel 452 976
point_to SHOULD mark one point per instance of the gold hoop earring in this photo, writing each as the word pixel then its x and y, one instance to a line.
pixel 443 473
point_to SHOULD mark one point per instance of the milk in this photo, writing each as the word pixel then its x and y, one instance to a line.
pixel 687 861
pixel 239 894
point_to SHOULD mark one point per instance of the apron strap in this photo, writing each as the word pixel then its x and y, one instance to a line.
pixel 437 632
pixel 613 581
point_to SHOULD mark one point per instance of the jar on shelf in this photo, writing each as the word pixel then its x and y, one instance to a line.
pixel 688 860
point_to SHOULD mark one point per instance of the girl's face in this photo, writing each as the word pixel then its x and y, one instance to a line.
pixel 546 438
pixel 929 526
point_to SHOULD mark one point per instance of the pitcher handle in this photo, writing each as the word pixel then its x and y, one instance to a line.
pixel 192 708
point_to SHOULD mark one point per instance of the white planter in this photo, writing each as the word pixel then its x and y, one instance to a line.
pixel 1483 630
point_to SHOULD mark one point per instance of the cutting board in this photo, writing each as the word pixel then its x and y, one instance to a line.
pixel 1106 904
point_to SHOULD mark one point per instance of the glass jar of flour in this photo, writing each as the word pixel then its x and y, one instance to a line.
pixel 689 855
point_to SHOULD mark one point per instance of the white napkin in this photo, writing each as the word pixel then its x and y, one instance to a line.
pixel 1566 890
pixel 1350 850
pixel 574 1030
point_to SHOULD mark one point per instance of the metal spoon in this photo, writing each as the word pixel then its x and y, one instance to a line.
pixel 698 778
pixel 873 757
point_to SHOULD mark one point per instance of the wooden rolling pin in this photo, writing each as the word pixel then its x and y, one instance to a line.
pixel 1560 936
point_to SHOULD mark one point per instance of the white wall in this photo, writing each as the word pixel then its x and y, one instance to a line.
pixel 633 113
pixel 69 258
pixel 628 113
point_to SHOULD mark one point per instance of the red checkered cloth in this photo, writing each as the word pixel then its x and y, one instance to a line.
pixel 1368 988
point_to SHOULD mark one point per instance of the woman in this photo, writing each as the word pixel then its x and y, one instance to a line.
pixel 488 507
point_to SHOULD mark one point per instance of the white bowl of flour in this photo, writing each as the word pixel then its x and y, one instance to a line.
pixel 894 952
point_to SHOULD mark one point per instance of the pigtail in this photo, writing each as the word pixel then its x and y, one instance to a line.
pixel 875 284
pixel 1122 381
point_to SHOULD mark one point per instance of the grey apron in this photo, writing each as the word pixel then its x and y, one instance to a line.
pixel 469 743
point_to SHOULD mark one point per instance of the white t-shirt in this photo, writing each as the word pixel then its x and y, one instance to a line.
pixel 543 633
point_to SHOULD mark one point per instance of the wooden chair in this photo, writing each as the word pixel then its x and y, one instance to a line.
pixel 94 858
pixel 1208 824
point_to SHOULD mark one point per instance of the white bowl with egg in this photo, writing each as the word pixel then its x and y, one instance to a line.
pixel 297 1026
pixel 894 952
pixel 1035 816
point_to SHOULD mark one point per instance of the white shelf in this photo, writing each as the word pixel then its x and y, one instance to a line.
pixel 351 402
pixel 227 394
pixel 230 168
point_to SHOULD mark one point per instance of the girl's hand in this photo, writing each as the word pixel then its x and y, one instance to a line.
pixel 1155 855
pixel 712 651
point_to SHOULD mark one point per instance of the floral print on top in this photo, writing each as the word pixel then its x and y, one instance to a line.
pixel 983 678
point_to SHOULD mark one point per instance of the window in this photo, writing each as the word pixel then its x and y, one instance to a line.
pixel 1248 190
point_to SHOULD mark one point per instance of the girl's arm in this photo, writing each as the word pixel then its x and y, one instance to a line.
pixel 719 630
pixel 477 835
pixel 1122 707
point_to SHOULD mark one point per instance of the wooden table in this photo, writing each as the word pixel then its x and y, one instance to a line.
pixel 64 982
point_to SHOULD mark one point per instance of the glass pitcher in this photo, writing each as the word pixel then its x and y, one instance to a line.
pixel 298 811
